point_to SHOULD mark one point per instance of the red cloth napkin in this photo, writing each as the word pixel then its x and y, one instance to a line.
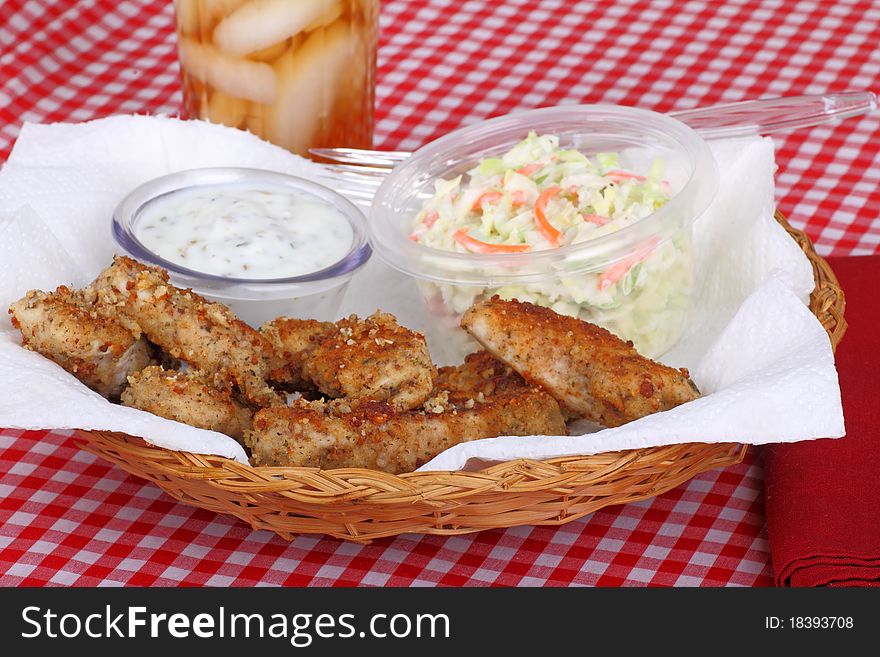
pixel 823 496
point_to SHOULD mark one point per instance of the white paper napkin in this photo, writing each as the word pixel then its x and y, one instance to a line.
pixel 762 360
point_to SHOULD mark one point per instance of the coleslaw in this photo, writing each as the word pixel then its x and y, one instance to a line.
pixel 538 196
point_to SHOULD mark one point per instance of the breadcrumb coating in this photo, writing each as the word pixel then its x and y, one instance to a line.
pixel 587 369
pixel 480 372
pixel 291 339
pixel 82 337
pixel 188 397
pixel 204 334
pixel 372 358
pixel 371 434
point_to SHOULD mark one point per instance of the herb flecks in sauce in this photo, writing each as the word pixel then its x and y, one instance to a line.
pixel 243 231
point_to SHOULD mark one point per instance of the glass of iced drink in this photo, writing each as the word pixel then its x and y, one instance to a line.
pixel 298 73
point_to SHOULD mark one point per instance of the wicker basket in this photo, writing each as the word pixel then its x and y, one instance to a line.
pixel 360 504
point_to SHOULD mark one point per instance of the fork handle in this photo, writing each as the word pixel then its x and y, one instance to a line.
pixel 763 116
pixel 743 118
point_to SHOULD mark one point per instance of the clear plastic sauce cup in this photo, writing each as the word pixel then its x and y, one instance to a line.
pixel 314 295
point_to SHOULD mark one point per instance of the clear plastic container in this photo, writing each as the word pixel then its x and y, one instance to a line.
pixel 315 295
pixel 653 312
pixel 298 73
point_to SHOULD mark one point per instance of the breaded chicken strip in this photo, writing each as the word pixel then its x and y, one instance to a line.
pixel 189 398
pixel 67 328
pixel 291 339
pixel 206 335
pixel 480 372
pixel 587 369
pixel 373 358
pixel 371 434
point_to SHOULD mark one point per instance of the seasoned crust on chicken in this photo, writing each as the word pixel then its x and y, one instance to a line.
pixel 189 398
pixel 370 434
pixel 587 369
pixel 67 328
pixel 373 358
pixel 480 372
pixel 204 334
pixel 290 340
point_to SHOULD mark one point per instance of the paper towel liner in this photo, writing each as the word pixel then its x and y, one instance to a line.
pixel 762 360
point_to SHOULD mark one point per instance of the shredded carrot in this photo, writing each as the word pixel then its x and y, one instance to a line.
pixel 620 176
pixel 487 197
pixel 429 219
pixel 478 246
pixel 529 169
pixel 617 271
pixel 596 219
pixel 544 226
pixel 517 198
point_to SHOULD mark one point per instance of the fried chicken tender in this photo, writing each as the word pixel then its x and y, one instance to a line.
pixel 70 329
pixel 480 372
pixel 189 398
pixel 204 334
pixel 587 369
pixel 373 358
pixel 290 340
pixel 371 434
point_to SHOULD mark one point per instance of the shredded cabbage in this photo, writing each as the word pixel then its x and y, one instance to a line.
pixel 537 197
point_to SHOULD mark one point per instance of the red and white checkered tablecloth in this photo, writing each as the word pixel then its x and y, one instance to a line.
pixel 67 518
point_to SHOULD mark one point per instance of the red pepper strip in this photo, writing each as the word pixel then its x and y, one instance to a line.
pixel 617 271
pixel 544 226
pixel 596 219
pixel 619 176
pixel 487 197
pixel 478 246
pixel 529 169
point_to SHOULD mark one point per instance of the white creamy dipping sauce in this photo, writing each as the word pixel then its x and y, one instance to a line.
pixel 245 231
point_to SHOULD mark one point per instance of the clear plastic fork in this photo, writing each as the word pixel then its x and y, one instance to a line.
pixel 357 183
pixel 357 173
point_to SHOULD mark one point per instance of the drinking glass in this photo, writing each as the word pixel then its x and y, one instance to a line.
pixel 298 73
